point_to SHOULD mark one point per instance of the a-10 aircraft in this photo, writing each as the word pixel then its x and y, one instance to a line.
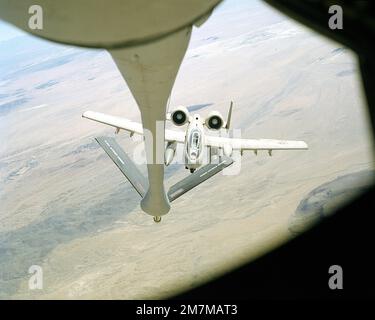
pixel 195 141
pixel 147 43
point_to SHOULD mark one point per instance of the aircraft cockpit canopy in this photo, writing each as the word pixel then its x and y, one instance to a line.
pixel 194 146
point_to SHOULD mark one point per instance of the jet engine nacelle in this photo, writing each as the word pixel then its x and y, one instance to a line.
pixel 180 116
pixel 215 121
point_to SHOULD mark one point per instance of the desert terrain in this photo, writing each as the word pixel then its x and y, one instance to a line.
pixel 66 207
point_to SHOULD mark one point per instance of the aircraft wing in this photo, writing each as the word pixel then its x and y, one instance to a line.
pixel 146 39
pixel 124 163
pixel 130 126
pixel 199 176
pixel 255 144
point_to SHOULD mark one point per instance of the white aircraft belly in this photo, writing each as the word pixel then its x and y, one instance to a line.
pixel 110 23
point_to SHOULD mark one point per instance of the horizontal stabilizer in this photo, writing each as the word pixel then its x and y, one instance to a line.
pixel 124 163
pixel 198 177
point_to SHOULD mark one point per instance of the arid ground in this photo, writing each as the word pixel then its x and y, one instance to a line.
pixel 66 207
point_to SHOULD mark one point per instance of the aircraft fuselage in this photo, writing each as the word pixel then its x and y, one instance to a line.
pixel 194 143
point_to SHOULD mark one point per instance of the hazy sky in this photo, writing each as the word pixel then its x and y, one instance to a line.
pixel 7 31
